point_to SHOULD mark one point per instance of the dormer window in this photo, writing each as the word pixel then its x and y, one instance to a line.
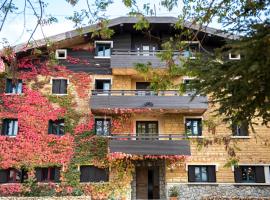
pixel 103 49
pixel 61 54
pixel 234 56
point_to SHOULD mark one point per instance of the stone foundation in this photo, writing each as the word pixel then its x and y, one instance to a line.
pixel 222 191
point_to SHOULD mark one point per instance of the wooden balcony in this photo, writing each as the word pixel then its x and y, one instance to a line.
pixel 168 101
pixel 122 58
pixel 173 144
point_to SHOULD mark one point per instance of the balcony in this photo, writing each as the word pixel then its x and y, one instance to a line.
pixel 150 145
pixel 123 58
pixel 168 101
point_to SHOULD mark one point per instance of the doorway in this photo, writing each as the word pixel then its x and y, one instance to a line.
pixel 147 182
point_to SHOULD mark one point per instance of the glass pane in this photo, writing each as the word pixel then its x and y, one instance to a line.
pixel 195 127
pixel 19 87
pixel 197 174
pixel 107 52
pixel 188 127
pixel 99 127
pixel 106 86
pixel 100 49
pixel 106 128
pixel 204 174
pixel 61 130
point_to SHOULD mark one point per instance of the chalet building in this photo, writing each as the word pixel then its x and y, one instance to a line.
pixel 162 124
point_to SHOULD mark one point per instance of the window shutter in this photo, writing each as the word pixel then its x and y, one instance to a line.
pixel 259 173
pixel 57 174
pixel 4 127
pixel 39 174
pixel 50 127
pixel 63 84
pixel 56 86
pixel 211 173
pixel 199 127
pixel 3 176
pixel 237 174
pixel 191 174
pixel 244 129
pixel 8 85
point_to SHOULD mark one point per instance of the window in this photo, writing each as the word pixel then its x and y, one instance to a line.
pixel 10 127
pixel 102 127
pixel 13 87
pixel 57 127
pixel 191 49
pixel 48 174
pixel 187 87
pixel 197 173
pixel 233 56
pixel 12 176
pixel 103 48
pixel 103 84
pixel 240 130
pixel 93 174
pixel 249 174
pixel 143 89
pixel 147 128
pixel 59 86
pixel 61 54
pixel 193 127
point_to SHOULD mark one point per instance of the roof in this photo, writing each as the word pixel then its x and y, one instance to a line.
pixel 123 20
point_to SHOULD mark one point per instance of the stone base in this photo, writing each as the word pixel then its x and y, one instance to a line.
pixel 222 191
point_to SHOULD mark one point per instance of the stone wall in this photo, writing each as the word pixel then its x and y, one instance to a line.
pixel 222 191
pixel 48 198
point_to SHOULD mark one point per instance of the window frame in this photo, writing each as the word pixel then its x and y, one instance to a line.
pixel 95 178
pixel 59 79
pixel 56 122
pixel 189 92
pixel 57 51
pixel 211 178
pixel 200 130
pixel 5 124
pixel 104 42
pixel 236 130
pixel 103 119
pixel 238 56
pixel 47 171
pixel 9 85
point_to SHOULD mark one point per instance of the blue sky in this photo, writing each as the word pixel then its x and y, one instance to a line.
pixel 14 32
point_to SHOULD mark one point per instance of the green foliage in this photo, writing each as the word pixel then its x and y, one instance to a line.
pixel 174 191
pixel 142 24
pixel 72 176
pixel 241 87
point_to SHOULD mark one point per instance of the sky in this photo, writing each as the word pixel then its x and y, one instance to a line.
pixel 15 33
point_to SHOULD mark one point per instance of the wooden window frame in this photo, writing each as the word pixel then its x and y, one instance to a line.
pixel 57 51
pixel 211 178
pixel 11 86
pixel 200 130
pixel 104 42
pixel 103 119
pixel 5 124
pixel 57 123
pixel 59 93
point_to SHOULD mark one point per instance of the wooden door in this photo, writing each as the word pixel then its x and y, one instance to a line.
pixel 141 183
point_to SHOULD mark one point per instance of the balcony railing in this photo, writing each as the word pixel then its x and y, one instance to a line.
pixel 148 136
pixel 122 58
pixel 150 145
pixel 170 101
pixel 136 92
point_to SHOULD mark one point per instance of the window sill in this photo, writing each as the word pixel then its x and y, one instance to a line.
pixel 13 94
pixel 102 57
pixel 203 183
pixel 240 137
pixel 193 136
pixel 10 136
pixel 59 94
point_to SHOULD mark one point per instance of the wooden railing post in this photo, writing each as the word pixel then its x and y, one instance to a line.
pixel 170 136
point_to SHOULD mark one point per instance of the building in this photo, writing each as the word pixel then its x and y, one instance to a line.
pixel 165 137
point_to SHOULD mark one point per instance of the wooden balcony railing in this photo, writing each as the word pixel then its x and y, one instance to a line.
pixel 152 136
pixel 131 52
pixel 136 92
